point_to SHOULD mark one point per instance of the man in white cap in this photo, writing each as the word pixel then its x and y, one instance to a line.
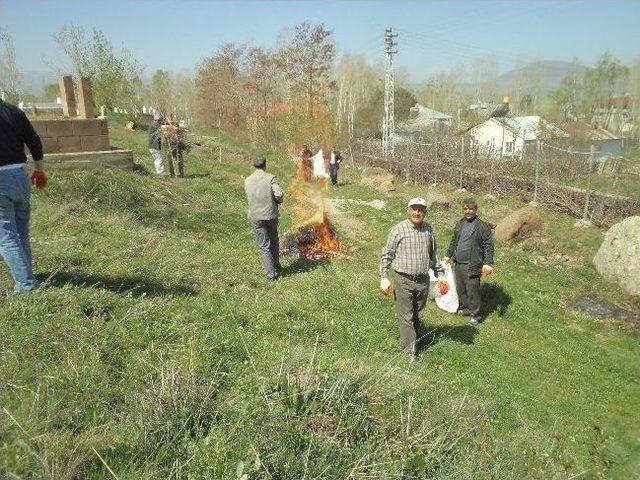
pixel 410 251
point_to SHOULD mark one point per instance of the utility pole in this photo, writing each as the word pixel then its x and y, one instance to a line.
pixel 388 127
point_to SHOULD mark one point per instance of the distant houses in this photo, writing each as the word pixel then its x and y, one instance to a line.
pixel 582 135
pixel 425 124
pixel 511 136
pixel 614 115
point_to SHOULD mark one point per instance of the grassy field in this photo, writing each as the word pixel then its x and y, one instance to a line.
pixel 157 349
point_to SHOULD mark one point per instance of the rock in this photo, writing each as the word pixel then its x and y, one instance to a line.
pixel 583 223
pixel 519 224
pixel 618 259
pixel 437 200
pixel 378 178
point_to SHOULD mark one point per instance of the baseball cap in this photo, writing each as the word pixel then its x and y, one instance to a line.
pixel 417 201
pixel 259 162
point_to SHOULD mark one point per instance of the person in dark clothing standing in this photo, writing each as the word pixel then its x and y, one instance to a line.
pixel 471 249
pixel 334 164
pixel 154 142
pixel 15 193
pixel 305 165
pixel 177 145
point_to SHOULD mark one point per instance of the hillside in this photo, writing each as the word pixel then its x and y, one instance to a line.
pixel 546 74
pixel 157 350
pixel 549 74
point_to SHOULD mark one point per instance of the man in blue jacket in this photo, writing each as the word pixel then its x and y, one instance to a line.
pixel 471 249
pixel 15 191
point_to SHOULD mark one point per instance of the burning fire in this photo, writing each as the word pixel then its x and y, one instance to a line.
pixel 312 236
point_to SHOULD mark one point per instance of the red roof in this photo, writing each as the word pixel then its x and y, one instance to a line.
pixel 623 102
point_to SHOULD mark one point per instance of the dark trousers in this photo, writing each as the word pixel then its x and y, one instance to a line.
pixel 333 173
pixel 268 244
pixel 409 298
pixel 468 288
pixel 176 154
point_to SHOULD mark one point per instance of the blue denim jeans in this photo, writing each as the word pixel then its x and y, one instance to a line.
pixel 15 210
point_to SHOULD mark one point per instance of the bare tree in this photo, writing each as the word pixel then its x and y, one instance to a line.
pixel 10 74
pixel 306 63
pixel 356 81
pixel 219 89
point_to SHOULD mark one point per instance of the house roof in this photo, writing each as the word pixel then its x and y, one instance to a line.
pixel 623 102
pixel 584 131
pixel 428 114
pixel 530 127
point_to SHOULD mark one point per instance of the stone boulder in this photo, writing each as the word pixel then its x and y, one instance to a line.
pixel 438 200
pixel 618 258
pixel 519 224
pixel 378 178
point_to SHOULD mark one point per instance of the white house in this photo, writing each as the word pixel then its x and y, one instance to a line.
pixel 510 136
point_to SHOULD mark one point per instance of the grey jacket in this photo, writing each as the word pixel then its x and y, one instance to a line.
pixel 264 195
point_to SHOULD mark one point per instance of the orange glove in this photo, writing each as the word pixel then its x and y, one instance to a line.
pixel 443 286
pixel 39 178
pixel 486 270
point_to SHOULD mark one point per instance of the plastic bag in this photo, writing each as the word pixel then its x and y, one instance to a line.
pixel 434 287
pixel 317 161
pixel 449 301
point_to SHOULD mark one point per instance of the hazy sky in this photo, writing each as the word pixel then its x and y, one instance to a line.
pixel 432 35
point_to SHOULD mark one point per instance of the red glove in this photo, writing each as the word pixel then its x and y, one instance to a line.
pixel 443 286
pixel 39 178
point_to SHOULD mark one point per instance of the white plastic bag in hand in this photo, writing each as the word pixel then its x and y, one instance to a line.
pixel 449 301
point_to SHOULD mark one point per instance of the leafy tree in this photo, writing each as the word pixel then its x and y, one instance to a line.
pixel 369 117
pixel 51 92
pixel 568 97
pixel 605 80
pixel 116 78
pixel 442 92
pixel 160 92
pixel 219 89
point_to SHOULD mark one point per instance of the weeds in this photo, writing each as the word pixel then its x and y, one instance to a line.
pixel 156 350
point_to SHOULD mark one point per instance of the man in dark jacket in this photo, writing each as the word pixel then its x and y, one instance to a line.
pixel 15 193
pixel 334 164
pixel 154 141
pixel 471 249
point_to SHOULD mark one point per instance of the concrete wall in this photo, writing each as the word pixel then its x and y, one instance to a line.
pixel 75 135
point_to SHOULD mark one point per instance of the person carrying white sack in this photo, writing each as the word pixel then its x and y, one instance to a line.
pixel 410 251
pixel 471 252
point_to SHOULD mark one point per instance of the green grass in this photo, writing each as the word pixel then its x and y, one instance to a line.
pixel 158 345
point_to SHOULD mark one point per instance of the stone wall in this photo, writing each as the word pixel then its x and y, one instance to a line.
pixel 74 135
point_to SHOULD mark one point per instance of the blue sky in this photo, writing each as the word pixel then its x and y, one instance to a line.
pixel 433 35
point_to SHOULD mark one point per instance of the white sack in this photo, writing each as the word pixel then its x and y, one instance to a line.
pixel 448 302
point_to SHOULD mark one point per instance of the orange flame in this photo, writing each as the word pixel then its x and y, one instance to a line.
pixel 311 210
